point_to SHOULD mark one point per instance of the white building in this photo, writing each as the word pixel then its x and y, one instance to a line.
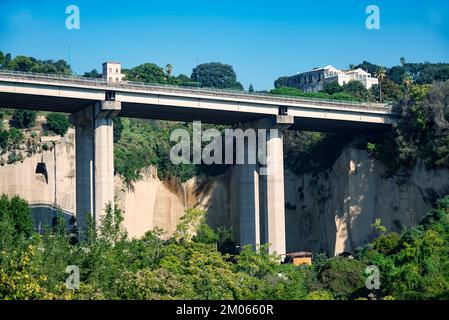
pixel 314 80
pixel 112 72
pixel 362 76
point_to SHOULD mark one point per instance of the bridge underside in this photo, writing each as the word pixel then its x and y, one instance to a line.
pixel 261 192
pixel 176 113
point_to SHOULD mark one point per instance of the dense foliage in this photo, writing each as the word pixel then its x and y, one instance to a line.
pixel 285 91
pixel 30 64
pixel 216 75
pixel 152 73
pixel 145 143
pixel 421 133
pixel 188 265
pixel 58 123
pixel 313 151
pixel 23 119
pixel 414 265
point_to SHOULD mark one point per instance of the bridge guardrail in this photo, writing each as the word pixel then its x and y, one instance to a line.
pixel 65 79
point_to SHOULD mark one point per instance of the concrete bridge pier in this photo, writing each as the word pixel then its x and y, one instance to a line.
pixel 248 203
pixel 261 196
pixel 274 194
pixel 94 142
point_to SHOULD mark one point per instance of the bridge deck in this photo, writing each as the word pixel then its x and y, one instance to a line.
pixel 140 100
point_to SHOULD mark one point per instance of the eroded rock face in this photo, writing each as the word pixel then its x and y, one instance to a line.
pixel 151 203
pixel 46 180
pixel 331 211
pixel 334 210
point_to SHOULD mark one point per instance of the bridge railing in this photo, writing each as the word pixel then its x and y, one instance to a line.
pixel 99 82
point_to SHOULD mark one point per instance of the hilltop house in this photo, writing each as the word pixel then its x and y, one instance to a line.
pixel 314 80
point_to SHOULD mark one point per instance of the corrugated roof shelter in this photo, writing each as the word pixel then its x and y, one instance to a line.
pixel 299 258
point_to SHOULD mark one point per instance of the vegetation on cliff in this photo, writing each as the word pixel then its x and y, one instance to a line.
pixel 421 132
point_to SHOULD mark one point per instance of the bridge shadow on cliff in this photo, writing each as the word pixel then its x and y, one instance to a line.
pixel 45 217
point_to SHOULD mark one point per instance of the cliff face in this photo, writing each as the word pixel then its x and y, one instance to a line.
pixel 46 180
pixel 152 203
pixel 334 210
pixel 331 211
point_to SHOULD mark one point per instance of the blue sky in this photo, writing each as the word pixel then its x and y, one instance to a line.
pixel 261 39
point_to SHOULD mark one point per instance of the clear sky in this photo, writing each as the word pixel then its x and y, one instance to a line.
pixel 261 39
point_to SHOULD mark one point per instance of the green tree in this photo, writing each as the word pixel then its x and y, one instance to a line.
pixel 343 277
pixel 332 87
pixel 16 137
pixel 19 212
pixel 23 119
pixel 281 82
pixel 118 128
pixel 216 75
pixel 21 63
pixel 91 74
pixel 251 88
pixel 407 80
pixel 368 67
pixel 2 58
pixel 381 74
pixel 356 89
pixel 147 72
pixel 4 138
pixel 58 123
pixel 169 69
pixel 390 91
pixel 378 227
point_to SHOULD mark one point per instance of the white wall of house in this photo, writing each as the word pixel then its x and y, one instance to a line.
pixel 314 80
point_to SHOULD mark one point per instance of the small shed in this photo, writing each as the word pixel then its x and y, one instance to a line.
pixel 299 258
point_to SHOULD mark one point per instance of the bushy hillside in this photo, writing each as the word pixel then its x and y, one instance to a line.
pixel 413 265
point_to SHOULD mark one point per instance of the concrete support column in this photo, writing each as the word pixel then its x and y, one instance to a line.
pixel 249 204
pixel 248 190
pixel 84 165
pixel 261 189
pixel 275 198
pixel 94 160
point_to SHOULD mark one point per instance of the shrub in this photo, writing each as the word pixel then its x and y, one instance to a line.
pixel 4 137
pixel 17 209
pixel 16 137
pixel 22 119
pixel 58 123
pixel 342 276
pixel 332 87
pixel 14 157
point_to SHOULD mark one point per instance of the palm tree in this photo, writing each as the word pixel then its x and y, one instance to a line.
pixel 407 81
pixel 381 74
pixel 169 69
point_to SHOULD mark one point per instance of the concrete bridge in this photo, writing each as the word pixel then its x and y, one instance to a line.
pixel 93 103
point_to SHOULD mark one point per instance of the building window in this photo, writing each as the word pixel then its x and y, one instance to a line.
pixel 116 70
pixel 116 80
pixel 110 69
pixel 110 79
